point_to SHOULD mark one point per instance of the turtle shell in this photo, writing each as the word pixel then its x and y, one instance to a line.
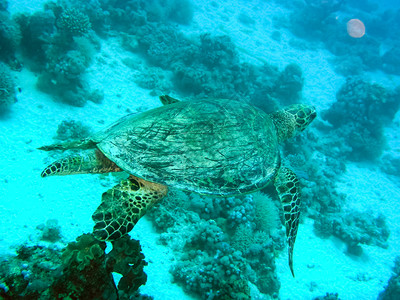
pixel 214 147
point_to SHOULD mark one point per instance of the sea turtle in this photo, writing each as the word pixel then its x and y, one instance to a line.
pixel 212 147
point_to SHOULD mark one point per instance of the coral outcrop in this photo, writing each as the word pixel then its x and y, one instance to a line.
pixel 82 270
pixel 7 87
pixel 359 115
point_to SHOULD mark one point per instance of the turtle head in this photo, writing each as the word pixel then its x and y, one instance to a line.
pixel 293 119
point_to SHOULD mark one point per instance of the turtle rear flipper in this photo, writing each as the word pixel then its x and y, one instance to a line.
pixel 122 206
pixel 287 186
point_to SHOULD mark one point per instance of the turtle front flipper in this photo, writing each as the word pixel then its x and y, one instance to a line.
pixel 287 186
pixel 92 161
pixel 122 206
pixel 78 144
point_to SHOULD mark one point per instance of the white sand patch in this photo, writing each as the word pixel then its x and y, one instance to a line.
pixel 321 266
pixel 160 258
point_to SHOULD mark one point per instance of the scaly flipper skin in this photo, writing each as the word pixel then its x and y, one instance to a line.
pixel 93 161
pixel 287 186
pixel 122 206
pixel 80 144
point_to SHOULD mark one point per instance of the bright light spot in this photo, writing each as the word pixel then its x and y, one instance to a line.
pixel 355 28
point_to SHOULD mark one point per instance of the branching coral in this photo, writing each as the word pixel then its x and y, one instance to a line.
pixel 74 22
pixel 267 216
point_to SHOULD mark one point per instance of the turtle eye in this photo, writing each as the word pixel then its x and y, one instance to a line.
pixel 301 114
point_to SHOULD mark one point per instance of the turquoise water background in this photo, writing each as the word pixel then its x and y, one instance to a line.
pixel 71 68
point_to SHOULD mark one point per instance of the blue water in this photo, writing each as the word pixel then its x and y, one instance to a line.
pixel 70 69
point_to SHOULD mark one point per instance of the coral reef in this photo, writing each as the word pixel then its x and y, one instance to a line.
pixel 7 87
pixel 74 22
pixel 289 84
pixel 72 130
pixel 50 231
pixel 30 273
pixel 208 65
pixel 218 277
pixel 37 31
pixel 82 270
pixel 358 117
pixel 392 290
pixel 354 229
pixel 87 269
pixel 60 53
pixel 218 247
pixel 3 5
pixel 10 37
